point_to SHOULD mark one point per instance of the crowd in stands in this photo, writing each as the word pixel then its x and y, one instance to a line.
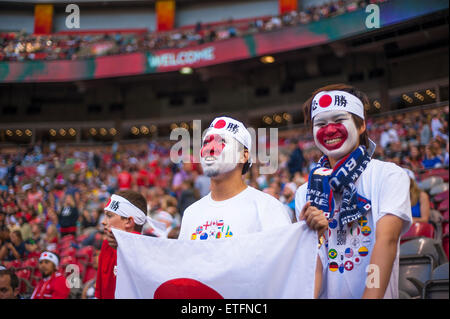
pixel 19 46
pixel 52 198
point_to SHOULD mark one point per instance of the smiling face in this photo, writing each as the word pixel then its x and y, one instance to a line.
pixel 335 133
pixel 220 154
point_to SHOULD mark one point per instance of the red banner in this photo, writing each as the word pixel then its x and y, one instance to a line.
pixel 43 18
pixel 287 6
pixel 165 15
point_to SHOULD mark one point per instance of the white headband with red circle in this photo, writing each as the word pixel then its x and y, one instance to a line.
pixel 336 101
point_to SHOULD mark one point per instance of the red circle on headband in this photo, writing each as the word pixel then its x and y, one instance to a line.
pixel 325 101
pixel 220 124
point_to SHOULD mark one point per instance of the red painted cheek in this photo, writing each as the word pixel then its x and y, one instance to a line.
pixel 213 146
pixel 330 132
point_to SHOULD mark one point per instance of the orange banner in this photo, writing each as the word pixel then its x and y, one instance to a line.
pixel 165 15
pixel 287 6
pixel 43 18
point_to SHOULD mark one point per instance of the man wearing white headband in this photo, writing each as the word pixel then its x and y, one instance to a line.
pixel 231 208
pixel 53 284
pixel 360 206
pixel 125 210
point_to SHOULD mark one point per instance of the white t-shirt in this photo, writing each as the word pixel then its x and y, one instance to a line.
pixel 346 253
pixel 249 211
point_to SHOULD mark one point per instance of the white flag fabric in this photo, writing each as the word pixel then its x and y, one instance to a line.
pixel 274 264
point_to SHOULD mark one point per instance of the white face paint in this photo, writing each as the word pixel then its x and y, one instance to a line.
pixel 220 154
pixel 335 133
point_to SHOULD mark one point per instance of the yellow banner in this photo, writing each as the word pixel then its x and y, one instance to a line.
pixel 165 15
pixel 43 18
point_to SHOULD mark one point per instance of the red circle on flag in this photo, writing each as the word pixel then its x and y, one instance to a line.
pixel 185 288
pixel 325 101
pixel 220 124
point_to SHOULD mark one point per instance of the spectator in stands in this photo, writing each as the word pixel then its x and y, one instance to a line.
pixel 89 287
pixel 36 242
pixel 127 211
pixel 9 284
pixel 189 195
pixel 296 159
pixel 420 203
pixel 53 284
pixel 425 132
pixel 51 238
pixel 15 248
pixel 431 159
pixel 68 217
pixel 350 181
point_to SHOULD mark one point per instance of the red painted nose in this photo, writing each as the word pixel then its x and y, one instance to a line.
pixel 330 129
pixel 213 146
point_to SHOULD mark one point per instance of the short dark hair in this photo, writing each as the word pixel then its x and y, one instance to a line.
pixel 14 280
pixel 359 122
pixel 137 200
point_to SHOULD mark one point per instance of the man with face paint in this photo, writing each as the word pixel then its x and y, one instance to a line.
pixel 360 206
pixel 231 208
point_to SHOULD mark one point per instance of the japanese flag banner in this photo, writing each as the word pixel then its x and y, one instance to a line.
pixel 274 264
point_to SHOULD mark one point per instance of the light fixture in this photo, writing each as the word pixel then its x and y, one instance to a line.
pixel 186 70
pixel 376 104
pixel 144 130
pixel 267 120
pixel 9 133
pixel 72 132
pixel 93 131
pixel 19 133
pixel 134 130
pixel 28 132
pixel 52 132
pixel 153 128
pixel 173 126
pixel 267 59
pixel 112 131
pixel 62 132
pixel 277 118
pixel 184 125
pixel 287 117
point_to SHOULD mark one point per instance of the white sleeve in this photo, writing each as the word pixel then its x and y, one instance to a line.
pixel 393 195
pixel 273 213
pixel 300 199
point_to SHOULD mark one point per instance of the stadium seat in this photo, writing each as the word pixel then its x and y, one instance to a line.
pixel 440 197
pixel 81 238
pixel 443 206
pixel 90 273
pixel 419 230
pixel 403 295
pixel 68 238
pixel 440 172
pixel 445 244
pixel 16 263
pixel 424 246
pixel 414 272
pixel 430 182
pixel 437 286
pixel 31 263
pixel 439 188
pixel 85 254
pixel 70 251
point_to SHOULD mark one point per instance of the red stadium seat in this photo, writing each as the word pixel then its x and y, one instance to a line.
pixel 24 273
pixel 443 206
pixel 15 264
pixel 70 251
pixel 85 254
pixel 441 172
pixel 440 197
pixel 90 273
pixel 34 254
pixel 81 238
pixel 68 238
pixel 419 230
pixel 31 263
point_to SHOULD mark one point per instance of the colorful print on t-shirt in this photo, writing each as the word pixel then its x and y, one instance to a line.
pixel 212 229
